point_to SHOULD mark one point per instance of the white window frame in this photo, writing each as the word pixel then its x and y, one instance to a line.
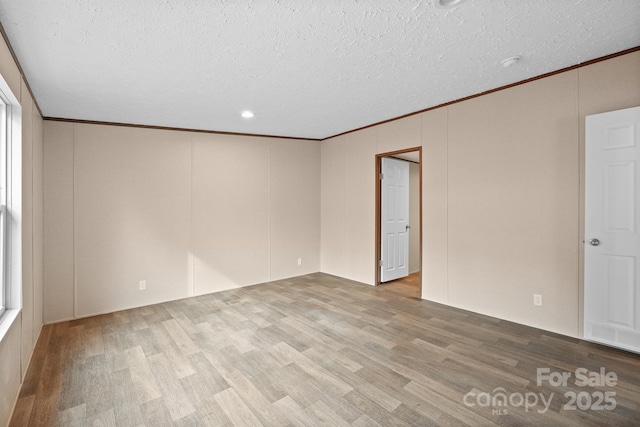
pixel 3 202
pixel 10 207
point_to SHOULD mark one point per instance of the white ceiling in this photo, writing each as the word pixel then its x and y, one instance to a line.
pixel 306 68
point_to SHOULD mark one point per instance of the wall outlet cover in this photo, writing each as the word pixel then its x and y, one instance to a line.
pixel 537 299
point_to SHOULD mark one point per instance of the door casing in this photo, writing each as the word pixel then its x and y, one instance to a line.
pixel 603 264
pixel 378 207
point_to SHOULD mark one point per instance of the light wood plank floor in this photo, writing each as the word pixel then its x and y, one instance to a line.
pixel 309 351
pixel 408 286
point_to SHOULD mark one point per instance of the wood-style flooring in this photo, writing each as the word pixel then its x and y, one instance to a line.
pixel 310 351
pixel 408 286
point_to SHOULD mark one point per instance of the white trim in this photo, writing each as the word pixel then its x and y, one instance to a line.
pixel 8 317
pixel 13 254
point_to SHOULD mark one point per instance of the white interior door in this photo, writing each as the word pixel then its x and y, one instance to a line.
pixel 395 219
pixel 612 241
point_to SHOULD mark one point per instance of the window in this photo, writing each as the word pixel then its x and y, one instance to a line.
pixel 10 207
pixel 3 204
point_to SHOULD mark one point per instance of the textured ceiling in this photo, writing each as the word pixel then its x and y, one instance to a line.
pixel 306 68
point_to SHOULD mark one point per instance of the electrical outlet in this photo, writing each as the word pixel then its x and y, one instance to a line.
pixel 299 261
pixel 537 299
pixel 142 285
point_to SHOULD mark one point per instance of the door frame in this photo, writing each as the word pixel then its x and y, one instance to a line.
pixel 378 208
pixel 585 234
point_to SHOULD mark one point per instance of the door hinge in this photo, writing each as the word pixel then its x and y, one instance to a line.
pixel 381 176
pixel 380 263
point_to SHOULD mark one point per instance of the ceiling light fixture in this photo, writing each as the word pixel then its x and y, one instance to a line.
pixel 511 61
pixel 247 114
pixel 446 4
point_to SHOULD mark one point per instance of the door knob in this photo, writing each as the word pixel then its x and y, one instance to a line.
pixel 407 227
pixel 594 242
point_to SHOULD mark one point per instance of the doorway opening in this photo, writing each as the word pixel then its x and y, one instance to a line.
pixel 399 218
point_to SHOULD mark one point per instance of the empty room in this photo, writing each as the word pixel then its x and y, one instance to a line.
pixel 319 213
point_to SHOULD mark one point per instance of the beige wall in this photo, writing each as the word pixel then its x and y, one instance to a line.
pixel 501 194
pixel 333 212
pixel 187 212
pixel 435 201
pixel 131 217
pixel 17 345
pixel 348 195
pixel 231 212
pixel 38 223
pixel 294 217
pixel 358 232
pixel 58 221
pixel 11 371
pixel 513 203
pixel 27 225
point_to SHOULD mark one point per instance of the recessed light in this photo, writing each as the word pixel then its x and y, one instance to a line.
pixel 512 60
pixel 247 114
pixel 446 4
